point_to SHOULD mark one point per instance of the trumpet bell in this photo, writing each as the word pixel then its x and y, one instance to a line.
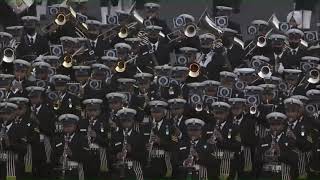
pixel 8 55
pixel 262 42
pixel 265 72
pixel 121 66
pixel 199 107
pixel 190 30
pixel 123 33
pixel 253 110
pixel 194 70
pixel 67 62
pixel 60 19
pixel 314 77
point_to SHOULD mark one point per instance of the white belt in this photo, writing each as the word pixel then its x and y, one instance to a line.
pixel 94 146
pixel 157 153
pixel 272 168
pixel 223 155
pixel 73 165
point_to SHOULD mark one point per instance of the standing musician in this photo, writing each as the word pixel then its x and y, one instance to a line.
pixel 295 51
pixel 24 127
pixel 158 142
pixel 93 127
pixel 275 156
pixel 194 158
pixel 226 141
pixel 42 121
pixel 299 133
pixel 152 16
pixel 67 103
pixel 116 102
pixel 70 149
pixel 177 116
pixel 246 126
pixel 21 72
pixel 12 144
pixel 127 149
pixel 144 93
pixel 32 43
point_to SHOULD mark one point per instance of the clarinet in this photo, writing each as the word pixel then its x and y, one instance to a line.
pixel 65 155
pixel 190 157
pixel 89 131
pixel 2 133
pixel 151 145
pixel 124 154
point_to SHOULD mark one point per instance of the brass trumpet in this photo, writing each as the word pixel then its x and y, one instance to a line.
pixel 314 76
pixel 61 19
pixel 265 72
pixel 67 61
pixel 194 70
pixel 190 30
pixel 8 55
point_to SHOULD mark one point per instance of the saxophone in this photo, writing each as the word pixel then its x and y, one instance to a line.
pixel 124 154
pixel 151 145
pixel 65 155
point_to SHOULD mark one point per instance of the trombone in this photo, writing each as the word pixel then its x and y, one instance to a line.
pixel 122 65
pixel 68 59
pixel 8 55
pixel 265 72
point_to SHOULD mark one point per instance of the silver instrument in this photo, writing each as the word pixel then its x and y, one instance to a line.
pixel 124 154
pixel 151 145
pixel 65 155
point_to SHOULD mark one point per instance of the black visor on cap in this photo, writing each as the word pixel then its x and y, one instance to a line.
pixel 20 66
pixel 59 83
pixel 157 109
pixel 194 127
pixel 82 73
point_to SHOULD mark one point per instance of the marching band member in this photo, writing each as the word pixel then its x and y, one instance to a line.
pixel 275 156
pixel 70 149
pixel 127 148
pixel 158 142
pixel 12 145
pixel 93 127
pixel 194 158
